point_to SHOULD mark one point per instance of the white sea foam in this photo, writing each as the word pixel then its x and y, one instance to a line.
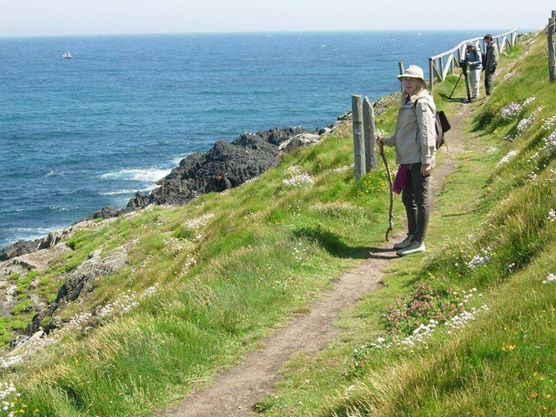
pixel 30 233
pixel 32 230
pixel 147 175
pixel 119 192
pixel 59 209
pixel 177 159
pixel 53 173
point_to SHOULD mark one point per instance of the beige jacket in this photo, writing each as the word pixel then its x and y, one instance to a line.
pixel 415 137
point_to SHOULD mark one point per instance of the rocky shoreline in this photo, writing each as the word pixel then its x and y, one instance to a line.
pixel 241 160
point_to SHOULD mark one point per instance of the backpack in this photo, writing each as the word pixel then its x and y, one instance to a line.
pixel 441 125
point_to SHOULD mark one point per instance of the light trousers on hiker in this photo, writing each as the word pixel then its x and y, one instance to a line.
pixel 475 81
pixel 415 197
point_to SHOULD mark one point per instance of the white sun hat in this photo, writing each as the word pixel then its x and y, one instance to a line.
pixel 413 71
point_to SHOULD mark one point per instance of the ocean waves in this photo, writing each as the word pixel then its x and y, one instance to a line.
pixel 89 135
pixel 127 191
pixel 145 175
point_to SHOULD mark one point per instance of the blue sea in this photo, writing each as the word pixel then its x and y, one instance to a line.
pixel 77 135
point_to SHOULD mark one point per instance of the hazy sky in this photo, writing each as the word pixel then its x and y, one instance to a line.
pixel 67 17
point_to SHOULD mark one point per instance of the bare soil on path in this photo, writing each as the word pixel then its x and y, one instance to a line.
pixel 234 391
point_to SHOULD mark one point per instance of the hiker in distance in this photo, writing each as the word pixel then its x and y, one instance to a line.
pixel 474 59
pixel 415 143
pixel 490 62
pixel 222 181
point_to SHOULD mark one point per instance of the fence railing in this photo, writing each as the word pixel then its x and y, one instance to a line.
pixel 441 65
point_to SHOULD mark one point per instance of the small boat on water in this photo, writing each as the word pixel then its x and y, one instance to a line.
pixel 67 55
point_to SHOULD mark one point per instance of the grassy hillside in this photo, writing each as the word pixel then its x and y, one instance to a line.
pixel 204 282
pixel 486 286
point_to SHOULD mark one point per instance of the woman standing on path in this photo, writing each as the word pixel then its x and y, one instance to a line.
pixel 415 143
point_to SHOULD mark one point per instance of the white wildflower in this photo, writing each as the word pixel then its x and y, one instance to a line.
pixel 293 170
pixel 511 155
pixel 27 347
pixel 534 156
pixel 510 75
pixel 10 361
pixel 199 221
pixel 549 123
pixel 524 124
pixel 480 260
pixel 8 399
pixel 551 140
pixel 343 168
pixel 549 278
pixel 301 179
pixel 421 334
pixel 462 319
pixel 511 110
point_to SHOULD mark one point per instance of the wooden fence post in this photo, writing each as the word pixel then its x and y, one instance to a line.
pixel 431 74
pixel 441 70
pixel 551 57
pixel 358 140
pixel 369 134
pixel 402 70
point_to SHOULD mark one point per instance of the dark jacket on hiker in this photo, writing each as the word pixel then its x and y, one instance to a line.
pixel 491 58
pixel 415 136
pixel 223 181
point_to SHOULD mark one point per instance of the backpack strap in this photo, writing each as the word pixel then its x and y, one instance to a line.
pixel 415 106
pixel 438 125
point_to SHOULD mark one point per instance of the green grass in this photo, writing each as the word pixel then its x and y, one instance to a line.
pixel 230 267
pixel 502 363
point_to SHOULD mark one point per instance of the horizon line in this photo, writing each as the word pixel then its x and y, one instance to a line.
pixel 84 35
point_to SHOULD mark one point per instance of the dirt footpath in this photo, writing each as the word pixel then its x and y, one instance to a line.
pixel 236 390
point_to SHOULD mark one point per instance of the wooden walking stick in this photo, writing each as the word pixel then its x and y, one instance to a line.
pixel 390 210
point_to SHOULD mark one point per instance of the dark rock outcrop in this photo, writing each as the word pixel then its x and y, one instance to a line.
pixel 105 213
pixel 52 239
pixel 21 247
pixel 25 247
pixel 245 158
pixel 78 282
